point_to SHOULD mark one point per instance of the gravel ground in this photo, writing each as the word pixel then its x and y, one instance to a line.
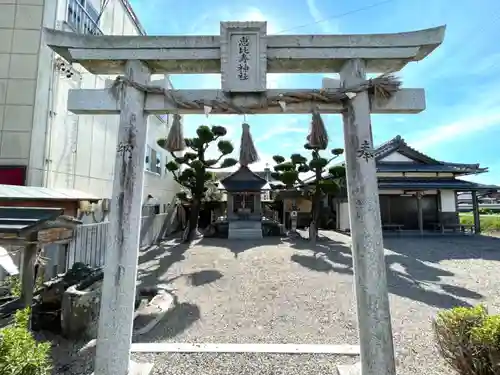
pixel 243 364
pixel 276 292
pixel 250 293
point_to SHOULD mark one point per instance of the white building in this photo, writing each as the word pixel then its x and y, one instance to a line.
pixel 41 143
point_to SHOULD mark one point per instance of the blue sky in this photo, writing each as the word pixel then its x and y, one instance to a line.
pixel 461 78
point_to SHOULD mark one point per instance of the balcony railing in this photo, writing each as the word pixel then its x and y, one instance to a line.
pixel 83 21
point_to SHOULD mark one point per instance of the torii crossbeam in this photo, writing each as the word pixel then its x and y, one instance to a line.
pixel 244 54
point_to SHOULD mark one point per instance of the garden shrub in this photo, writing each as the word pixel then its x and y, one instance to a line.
pixel 486 211
pixel 469 340
pixel 489 223
pixel 20 353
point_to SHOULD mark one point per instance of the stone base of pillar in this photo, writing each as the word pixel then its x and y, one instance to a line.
pixel 349 369
pixel 136 368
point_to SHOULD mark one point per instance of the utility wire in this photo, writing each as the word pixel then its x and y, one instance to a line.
pixel 328 18
pixel 336 16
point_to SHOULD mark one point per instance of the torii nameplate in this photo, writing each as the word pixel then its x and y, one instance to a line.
pixel 243 49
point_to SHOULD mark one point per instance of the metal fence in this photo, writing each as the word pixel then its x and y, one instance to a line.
pixel 88 244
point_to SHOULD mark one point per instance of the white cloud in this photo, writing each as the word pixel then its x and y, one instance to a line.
pixel 284 129
pixel 455 130
pixel 255 14
pixel 328 27
pixel 209 23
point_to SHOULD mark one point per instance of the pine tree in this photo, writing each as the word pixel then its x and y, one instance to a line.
pixel 324 180
pixel 192 170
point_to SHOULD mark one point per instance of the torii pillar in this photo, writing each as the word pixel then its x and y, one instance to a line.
pixel 116 318
pixel 244 54
pixel 374 317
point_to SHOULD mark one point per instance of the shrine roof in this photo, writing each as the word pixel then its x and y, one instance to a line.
pixel 243 179
pixel 419 162
pixel 415 162
pixel 406 183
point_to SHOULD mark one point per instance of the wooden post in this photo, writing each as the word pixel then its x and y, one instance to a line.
pixel 420 213
pixel 28 271
pixel 475 211
pixel 374 319
pixel 120 269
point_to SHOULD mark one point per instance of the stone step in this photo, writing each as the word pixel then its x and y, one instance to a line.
pixel 256 230
pixel 245 229
pixel 244 234
pixel 246 224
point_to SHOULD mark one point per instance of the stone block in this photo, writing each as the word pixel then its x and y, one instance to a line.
pixel 80 311
pixel 150 314
pixel 349 369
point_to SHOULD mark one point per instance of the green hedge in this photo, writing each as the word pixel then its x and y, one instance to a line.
pixel 489 223
pixel 20 353
pixel 469 340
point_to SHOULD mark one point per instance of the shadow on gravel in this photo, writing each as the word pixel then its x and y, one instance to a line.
pixel 161 257
pixel 406 276
pixel 238 247
pixel 448 247
pixel 198 278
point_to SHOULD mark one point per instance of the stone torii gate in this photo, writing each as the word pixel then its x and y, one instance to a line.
pixel 244 54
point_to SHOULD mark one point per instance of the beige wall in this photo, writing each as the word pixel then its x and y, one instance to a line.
pixel 396 156
pixel 61 150
pixel 448 201
pixel 343 216
pixel 20 33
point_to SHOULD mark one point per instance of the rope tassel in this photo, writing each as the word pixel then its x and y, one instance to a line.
pixel 248 152
pixel 318 137
pixel 175 139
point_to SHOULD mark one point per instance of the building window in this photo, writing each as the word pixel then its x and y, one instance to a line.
pixel 266 195
pixel 153 160
pixel 166 162
pixel 147 161
pixel 157 166
pixel 83 17
pixel 150 210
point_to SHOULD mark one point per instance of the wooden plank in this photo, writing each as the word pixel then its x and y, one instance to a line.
pixel 72 246
pixel 99 245
pixel 104 233
pixel 99 102
pixel 62 258
pixel 28 272
pixel 94 246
